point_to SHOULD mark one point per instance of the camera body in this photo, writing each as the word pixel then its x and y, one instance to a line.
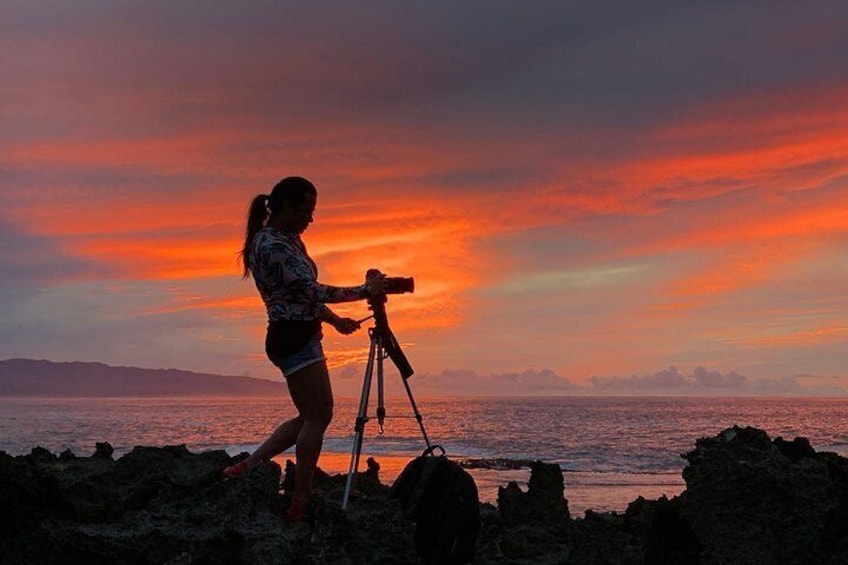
pixel 393 285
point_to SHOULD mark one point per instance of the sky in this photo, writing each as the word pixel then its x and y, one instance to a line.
pixel 606 197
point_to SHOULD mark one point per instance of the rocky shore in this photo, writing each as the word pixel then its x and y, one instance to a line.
pixel 749 500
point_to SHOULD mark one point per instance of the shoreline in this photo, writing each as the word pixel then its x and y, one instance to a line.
pixel 606 491
pixel 749 500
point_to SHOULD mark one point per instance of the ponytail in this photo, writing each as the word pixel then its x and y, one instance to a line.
pixel 256 218
pixel 292 190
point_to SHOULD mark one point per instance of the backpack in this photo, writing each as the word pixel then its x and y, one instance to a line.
pixel 441 498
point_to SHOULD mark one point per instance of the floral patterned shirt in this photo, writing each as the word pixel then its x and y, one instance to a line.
pixel 287 278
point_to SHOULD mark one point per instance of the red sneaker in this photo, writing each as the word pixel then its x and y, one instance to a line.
pixel 235 471
pixel 296 511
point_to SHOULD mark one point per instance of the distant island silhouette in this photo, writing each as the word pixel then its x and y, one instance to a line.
pixel 42 378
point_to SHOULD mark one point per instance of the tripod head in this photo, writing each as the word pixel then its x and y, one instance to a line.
pixel 382 331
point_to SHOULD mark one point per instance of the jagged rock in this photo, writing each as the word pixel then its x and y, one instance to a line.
pixel 40 454
pixel 666 538
pixel 104 450
pixel 603 538
pixel 796 449
pixel 535 522
pixel 372 530
pixel 752 501
pixel 749 500
pixel 191 512
pixel 365 483
pixel 543 502
pixel 373 469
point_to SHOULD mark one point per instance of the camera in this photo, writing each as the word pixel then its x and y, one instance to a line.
pixel 393 285
pixel 399 285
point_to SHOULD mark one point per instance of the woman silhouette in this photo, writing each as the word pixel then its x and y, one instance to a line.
pixel 296 302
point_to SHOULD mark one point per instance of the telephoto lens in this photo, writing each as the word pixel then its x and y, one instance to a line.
pixel 393 285
pixel 399 285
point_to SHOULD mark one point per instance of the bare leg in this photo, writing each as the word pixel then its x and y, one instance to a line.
pixel 312 394
pixel 283 438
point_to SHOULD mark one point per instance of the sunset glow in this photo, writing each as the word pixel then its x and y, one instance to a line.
pixel 594 196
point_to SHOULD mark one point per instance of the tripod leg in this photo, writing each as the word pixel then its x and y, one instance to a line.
pixel 361 418
pixel 417 413
pixel 381 400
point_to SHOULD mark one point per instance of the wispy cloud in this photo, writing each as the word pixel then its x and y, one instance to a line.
pixel 545 281
pixel 462 382
pixel 701 381
pixel 829 334
pixel 564 180
pixel 711 382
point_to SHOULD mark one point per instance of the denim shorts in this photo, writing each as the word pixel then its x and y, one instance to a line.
pixel 311 353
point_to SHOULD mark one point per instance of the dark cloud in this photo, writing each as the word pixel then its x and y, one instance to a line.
pixel 526 383
pixel 710 378
pixel 702 381
pixel 549 83
pixel 666 380
pixel 530 66
pixel 27 261
pixel 463 382
pixel 710 382
pixel 489 180
pixel 48 182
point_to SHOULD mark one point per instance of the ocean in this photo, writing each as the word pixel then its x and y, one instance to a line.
pixel 610 449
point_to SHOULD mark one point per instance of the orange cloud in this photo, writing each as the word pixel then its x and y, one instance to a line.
pixel 776 141
pixel 765 115
pixel 767 138
pixel 161 258
pixel 233 306
pixel 746 266
pixel 828 334
pixel 377 211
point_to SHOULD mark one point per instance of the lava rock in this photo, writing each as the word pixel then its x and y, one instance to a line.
pixel 104 450
pixel 535 522
pixel 752 501
pixel 749 500
pixel 664 535
pixel 543 503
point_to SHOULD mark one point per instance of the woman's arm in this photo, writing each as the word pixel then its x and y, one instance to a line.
pixel 296 273
pixel 342 325
pixel 333 294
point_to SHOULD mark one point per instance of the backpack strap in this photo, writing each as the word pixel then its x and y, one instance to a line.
pixel 416 495
pixel 430 450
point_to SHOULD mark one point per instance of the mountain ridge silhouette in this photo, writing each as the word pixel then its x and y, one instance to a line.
pixel 44 378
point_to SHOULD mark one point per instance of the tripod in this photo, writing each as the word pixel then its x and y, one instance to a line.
pixel 383 345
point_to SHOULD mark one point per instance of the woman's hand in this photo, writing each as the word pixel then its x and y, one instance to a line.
pixel 376 282
pixel 346 326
